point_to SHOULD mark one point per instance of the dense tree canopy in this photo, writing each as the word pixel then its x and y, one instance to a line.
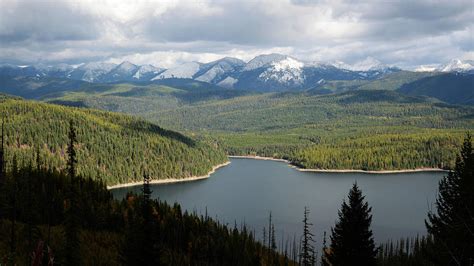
pixel 115 148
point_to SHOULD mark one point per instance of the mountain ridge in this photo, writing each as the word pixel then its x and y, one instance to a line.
pixel 266 72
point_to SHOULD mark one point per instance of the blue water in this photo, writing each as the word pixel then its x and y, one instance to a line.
pixel 247 190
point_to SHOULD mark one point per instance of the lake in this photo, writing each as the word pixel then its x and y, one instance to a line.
pixel 247 190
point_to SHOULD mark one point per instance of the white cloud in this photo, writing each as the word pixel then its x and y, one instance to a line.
pixel 168 32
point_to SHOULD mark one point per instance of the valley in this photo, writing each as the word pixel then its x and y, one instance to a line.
pixel 395 120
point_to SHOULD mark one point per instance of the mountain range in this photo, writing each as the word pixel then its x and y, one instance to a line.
pixel 269 72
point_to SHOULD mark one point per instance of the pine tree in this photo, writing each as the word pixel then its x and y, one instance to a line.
pixel 140 243
pixel 71 151
pixel 13 206
pixel 264 236
pixel 452 226
pixel 352 242
pixel 307 252
pixel 274 245
pixel 2 156
pixel 3 192
pixel 148 224
pixel 71 223
pixel 324 261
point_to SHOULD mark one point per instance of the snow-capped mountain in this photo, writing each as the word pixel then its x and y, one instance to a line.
pixel 219 70
pixel 147 72
pixel 91 72
pixel 457 65
pixel 263 61
pixel 268 72
pixel 184 71
pixel 127 71
pixel 368 64
pixel 123 71
pixel 367 68
pixel 286 71
pixel 280 72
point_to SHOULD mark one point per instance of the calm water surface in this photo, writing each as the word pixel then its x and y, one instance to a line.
pixel 247 190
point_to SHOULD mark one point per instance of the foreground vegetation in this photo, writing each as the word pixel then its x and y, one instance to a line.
pixel 112 147
pixel 34 218
pixel 49 217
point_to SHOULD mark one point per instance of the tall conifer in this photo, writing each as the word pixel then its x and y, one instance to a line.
pixel 71 151
pixel 307 249
pixel 352 242
pixel 71 223
pixel 148 255
pixel 2 156
pixel 452 226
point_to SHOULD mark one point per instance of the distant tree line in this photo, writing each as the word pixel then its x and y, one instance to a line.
pixel 450 239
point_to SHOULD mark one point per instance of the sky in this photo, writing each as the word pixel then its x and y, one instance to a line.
pixel 165 33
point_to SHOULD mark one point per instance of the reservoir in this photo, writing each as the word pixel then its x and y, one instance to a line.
pixel 247 190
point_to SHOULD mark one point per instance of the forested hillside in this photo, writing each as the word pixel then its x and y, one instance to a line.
pixel 115 148
pixel 383 128
pixel 52 218
pixel 456 88
pixel 391 81
pixel 372 130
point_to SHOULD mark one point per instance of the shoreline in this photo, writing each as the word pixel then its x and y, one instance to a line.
pixel 215 168
pixel 416 170
pixel 171 180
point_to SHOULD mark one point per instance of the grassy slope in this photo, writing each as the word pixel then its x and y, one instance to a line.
pixel 117 148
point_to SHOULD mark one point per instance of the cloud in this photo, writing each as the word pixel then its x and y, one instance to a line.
pixel 166 33
pixel 44 21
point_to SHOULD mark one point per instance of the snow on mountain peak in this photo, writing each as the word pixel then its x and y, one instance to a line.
pixel 211 74
pixel 285 71
pixel 232 60
pixel 149 68
pixel 457 65
pixel 368 64
pixel 217 70
pixel 94 70
pixel 287 63
pixel 126 66
pixel 264 60
pixel 186 70
pixel 98 66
